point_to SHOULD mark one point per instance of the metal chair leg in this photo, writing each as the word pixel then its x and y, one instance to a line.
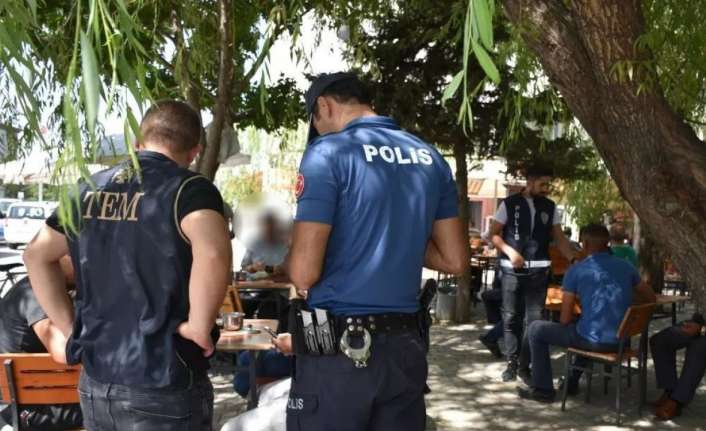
pixel 15 408
pixel 605 374
pixel 567 373
pixel 629 372
pixel 618 376
pixel 589 379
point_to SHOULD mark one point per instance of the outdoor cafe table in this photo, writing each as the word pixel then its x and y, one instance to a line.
pixel 554 301
pixel 238 341
pixel 673 300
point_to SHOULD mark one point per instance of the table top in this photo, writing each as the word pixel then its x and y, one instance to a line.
pixel 671 299
pixel 263 284
pixel 236 341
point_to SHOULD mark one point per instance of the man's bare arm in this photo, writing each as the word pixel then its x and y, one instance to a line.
pixel 446 250
pixel 306 258
pixel 48 282
pixel 210 273
pixel 52 339
pixel 642 293
pixel 496 237
pixel 563 243
pixel 567 308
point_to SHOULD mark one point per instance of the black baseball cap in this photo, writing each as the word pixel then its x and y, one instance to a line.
pixel 317 87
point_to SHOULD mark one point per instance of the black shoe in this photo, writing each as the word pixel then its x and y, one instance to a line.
pixel 510 372
pixel 573 389
pixel 525 374
pixel 538 395
pixel 493 348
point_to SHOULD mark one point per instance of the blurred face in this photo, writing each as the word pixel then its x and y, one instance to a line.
pixel 539 186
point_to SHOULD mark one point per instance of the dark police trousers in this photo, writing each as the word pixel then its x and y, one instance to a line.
pixel 111 407
pixel 522 295
pixel 664 346
pixel 330 394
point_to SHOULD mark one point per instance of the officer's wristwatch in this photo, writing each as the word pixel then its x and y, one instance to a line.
pixel 269 269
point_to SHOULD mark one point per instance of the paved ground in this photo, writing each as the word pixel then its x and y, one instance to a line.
pixel 467 393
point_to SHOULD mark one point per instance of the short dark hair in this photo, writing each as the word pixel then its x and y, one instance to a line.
pixel 539 171
pixel 595 233
pixel 171 124
pixel 348 90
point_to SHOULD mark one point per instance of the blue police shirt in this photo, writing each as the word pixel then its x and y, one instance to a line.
pixel 604 284
pixel 381 189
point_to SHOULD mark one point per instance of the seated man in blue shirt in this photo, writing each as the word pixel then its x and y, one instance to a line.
pixel 604 284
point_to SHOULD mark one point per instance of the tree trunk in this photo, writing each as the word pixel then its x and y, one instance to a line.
pixel 463 297
pixel 656 159
pixel 208 164
pixel 652 262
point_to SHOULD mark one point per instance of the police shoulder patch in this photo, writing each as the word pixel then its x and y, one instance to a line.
pixel 299 187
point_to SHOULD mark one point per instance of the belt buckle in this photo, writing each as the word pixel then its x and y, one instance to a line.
pixel 359 356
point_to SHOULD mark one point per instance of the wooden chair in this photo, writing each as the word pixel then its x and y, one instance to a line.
pixel 34 378
pixel 635 322
pixel 232 302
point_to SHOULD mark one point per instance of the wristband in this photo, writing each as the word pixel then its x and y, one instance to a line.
pixel 269 269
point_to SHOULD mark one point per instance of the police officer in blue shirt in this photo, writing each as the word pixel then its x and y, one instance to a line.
pixel 375 204
pixel 524 225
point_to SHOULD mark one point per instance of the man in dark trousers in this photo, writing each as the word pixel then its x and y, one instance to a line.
pixel 375 204
pixel 679 390
pixel 25 328
pixel 152 257
pixel 524 225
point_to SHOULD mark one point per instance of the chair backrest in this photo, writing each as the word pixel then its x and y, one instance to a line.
pixel 636 319
pixel 37 379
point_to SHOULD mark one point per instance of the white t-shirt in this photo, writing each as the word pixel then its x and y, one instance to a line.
pixel 501 213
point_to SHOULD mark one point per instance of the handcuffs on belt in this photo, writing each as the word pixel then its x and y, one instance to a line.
pixel 360 355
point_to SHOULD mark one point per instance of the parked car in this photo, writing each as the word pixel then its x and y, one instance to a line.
pixel 4 205
pixel 24 220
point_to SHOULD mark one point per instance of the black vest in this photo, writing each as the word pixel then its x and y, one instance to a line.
pixel 518 233
pixel 132 274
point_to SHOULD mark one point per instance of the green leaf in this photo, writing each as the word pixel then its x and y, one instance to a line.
pixel 91 82
pixel 486 62
pixel 484 21
pixel 452 88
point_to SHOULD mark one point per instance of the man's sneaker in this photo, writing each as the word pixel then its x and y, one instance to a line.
pixel 538 395
pixel 526 375
pixel 573 389
pixel 493 348
pixel 510 373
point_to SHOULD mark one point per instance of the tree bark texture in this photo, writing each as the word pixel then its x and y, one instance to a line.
pixel 656 159
pixel 208 164
pixel 463 296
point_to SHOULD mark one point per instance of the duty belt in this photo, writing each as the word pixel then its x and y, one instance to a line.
pixel 322 333
pixel 529 264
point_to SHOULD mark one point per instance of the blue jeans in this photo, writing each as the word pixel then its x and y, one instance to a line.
pixel 523 299
pixel 111 407
pixel 543 334
pixel 269 364
pixel 664 346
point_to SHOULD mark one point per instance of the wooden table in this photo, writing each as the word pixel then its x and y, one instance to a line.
pixel 238 341
pixel 673 300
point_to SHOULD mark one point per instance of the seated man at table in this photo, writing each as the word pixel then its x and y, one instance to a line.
pixel 268 251
pixel 606 286
pixel 25 328
pixel 678 392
